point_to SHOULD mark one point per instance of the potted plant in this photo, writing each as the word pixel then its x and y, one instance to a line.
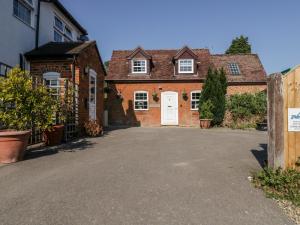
pixel 205 113
pixel 64 106
pixel 155 96
pixel 22 106
pixel 184 95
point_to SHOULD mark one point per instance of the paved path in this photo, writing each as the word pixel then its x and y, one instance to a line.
pixel 139 176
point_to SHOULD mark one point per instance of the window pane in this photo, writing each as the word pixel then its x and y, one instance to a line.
pixel 141 100
pixel 68 32
pixel 234 68
pixel 58 37
pixel 59 24
pixel 186 65
pixel 22 12
pixel 139 66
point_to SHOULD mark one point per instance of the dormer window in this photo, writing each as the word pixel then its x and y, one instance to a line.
pixel 234 69
pixel 139 66
pixel 186 65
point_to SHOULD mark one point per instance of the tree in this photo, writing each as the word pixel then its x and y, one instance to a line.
pixel 223 80
pixel 239 45
pixel 106 65
pixel 213 90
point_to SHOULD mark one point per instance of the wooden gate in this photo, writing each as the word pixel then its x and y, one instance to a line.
pixel 284 126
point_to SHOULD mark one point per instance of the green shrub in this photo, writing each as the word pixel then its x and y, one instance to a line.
pixel 22 105
pixel 214 90
pixel 279 184
pixel 206 110
pixel 245 106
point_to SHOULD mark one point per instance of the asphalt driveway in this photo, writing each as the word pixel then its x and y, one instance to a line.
pixel 141 176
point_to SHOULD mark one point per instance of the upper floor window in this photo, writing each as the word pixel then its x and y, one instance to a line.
pixel 141 100
pixel 23 11
pixel 195 99
pixel 59 24
pixel 61 31
pixel 68 32
pixel 186 66
pixel 58 37
pixel 139 66
pixel 234 69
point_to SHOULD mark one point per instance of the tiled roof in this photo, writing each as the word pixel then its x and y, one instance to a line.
pixel 163 66
pixel 58 49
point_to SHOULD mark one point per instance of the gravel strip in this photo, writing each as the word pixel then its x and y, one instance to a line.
pixel 291 210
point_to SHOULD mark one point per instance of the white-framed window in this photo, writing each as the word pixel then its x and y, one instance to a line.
pixel 52 82
pixel 139 66
pixel 58 37
pixel 141 100
pixel 68 33
pixel 62 32
pixel 23 11
pixel 234 69
pixel 58 24
pixel 186 66
pixel 195 98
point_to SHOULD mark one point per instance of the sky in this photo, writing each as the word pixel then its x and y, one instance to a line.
pixel 273 26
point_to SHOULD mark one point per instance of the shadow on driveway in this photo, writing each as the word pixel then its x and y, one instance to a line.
pixel 261 154
pixel 42 151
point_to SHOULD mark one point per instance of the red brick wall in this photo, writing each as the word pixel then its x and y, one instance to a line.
pixel 88 57
pixel 123 113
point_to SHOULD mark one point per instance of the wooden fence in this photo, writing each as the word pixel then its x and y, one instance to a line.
pixel 284 119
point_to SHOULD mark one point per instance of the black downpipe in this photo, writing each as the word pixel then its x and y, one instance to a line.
pixel 37 31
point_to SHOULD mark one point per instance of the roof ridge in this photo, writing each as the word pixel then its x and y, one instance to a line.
pixel 234 54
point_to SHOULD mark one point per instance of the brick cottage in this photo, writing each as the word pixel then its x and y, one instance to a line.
pixel 162 87
pixel 78 61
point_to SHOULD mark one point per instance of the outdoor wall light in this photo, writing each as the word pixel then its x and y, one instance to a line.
pixel 86 70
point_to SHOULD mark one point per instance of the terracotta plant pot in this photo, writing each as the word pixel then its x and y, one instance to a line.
pixel 13 145
pixel 205 123
pixel 54 136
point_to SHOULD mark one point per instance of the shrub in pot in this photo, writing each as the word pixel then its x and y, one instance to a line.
pixel 54 135
pixel 22 105
pixel 205 114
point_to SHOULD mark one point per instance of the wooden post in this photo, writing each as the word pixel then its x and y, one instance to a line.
pixel 275 122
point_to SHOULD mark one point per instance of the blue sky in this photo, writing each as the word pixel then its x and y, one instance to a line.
pixel 273 26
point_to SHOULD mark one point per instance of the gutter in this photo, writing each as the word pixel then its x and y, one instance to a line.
pixel 37 31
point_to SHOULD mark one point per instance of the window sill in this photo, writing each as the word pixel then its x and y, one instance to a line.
pixel 141 110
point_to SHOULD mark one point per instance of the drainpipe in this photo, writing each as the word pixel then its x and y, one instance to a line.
pixel 37 31
pixel 74 85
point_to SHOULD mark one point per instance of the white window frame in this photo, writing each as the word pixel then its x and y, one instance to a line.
pixel 179 66
pixel 132 65
pixel 28 6
pixel 234 69
pixel 141 92
pixel 63 33
pixel 193 100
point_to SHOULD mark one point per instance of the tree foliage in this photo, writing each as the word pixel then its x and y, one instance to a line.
pixel 214 90
pixel 245 106
pixel 22 104
pixel 239 45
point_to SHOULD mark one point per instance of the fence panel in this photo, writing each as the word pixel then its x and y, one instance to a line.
pixel 283 95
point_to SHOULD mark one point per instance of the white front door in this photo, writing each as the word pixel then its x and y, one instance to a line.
pixel 169 108
pixel 92 94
